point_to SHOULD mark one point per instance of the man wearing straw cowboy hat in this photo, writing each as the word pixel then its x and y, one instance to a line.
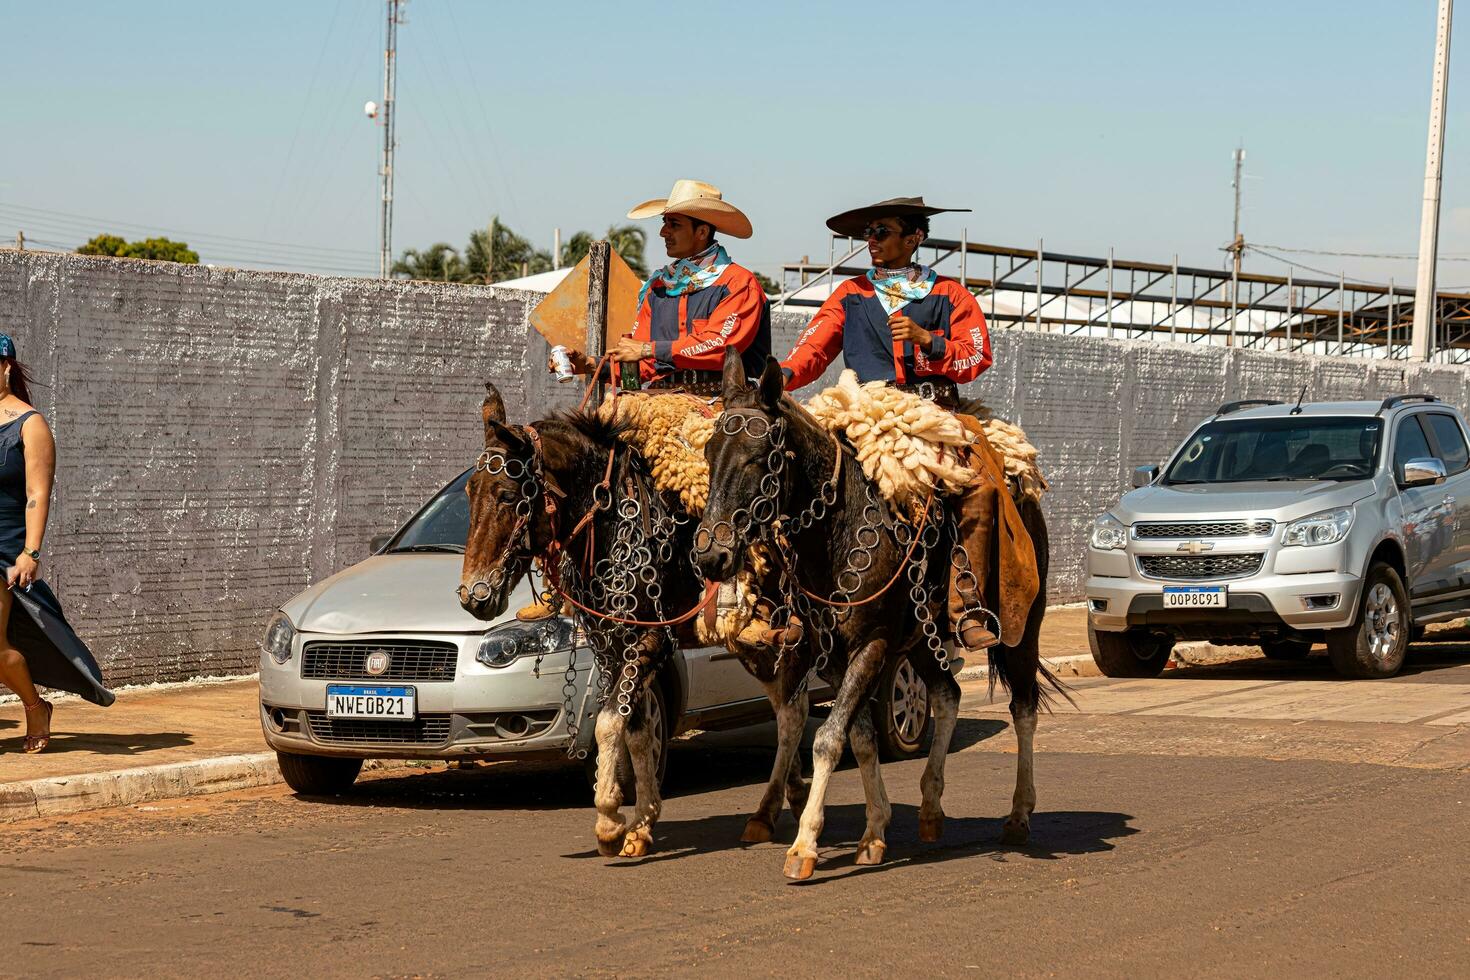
pixel 904 324
pixel 690 310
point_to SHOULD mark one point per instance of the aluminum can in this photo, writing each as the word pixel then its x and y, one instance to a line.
pixel 563 364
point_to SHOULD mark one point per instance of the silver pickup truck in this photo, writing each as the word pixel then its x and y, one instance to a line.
pixel 1345 523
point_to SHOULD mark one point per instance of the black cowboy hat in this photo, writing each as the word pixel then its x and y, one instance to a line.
pixel 851 223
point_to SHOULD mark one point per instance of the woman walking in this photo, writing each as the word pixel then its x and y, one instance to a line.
pixel 35 641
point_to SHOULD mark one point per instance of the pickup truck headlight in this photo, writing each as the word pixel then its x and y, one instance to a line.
pixel 504 645
pixel 1324 528
pixel 279 634
pixel 1109 533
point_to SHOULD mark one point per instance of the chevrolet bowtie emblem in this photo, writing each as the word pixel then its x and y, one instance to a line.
pixel 1195 547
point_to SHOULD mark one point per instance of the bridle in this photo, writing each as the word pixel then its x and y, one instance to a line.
pixel 531 482
pixel 764 513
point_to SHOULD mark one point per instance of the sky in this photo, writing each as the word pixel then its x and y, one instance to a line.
pixel 239 127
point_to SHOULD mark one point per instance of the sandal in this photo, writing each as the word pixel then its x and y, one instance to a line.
pixel 38 743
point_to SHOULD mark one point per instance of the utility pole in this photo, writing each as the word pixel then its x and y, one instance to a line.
pixel 20 241
pixel 490 250
pixel 1425 304
pixel 1237 246
pixel 390 85
pixel 556 248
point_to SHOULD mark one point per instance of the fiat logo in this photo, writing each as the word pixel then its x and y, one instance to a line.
pixel 377 663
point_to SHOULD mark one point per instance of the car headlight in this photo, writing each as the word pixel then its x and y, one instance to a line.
pixel 1322 528
pixel 503 645
pixel 278 636
pixel 1109 533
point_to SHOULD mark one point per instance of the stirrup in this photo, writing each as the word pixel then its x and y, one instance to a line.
pixel 970 631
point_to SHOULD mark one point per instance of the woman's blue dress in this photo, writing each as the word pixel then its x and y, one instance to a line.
pixel 57 658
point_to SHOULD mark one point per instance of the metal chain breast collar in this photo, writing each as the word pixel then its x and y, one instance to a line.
pixel 876 518
pixel 624 582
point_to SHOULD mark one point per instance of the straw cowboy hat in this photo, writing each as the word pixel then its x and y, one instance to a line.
pixel 699 200
pixel 851 223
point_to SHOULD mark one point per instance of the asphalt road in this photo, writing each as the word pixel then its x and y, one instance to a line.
pixel 1235 821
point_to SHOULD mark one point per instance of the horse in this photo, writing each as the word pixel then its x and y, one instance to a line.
pixel 767 455
pixel 566 491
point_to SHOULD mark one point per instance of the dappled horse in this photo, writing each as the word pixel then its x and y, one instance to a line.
pixel 871 586
pixel 566 491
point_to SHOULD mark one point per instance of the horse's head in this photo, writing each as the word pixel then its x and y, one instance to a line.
pixel 746 455
pixel 507 520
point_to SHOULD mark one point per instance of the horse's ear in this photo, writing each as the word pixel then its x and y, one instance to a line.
pixel 773 383
pixel 492 409
pixel 734 373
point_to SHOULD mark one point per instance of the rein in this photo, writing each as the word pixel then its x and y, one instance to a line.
pixel 711 590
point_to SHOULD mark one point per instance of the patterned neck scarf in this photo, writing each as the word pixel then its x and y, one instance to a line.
pixel 689 275
pixel 896 288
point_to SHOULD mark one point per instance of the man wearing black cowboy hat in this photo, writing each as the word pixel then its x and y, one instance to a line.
pixel 904 324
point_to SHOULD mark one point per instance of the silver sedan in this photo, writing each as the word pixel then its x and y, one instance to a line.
pixel 380 661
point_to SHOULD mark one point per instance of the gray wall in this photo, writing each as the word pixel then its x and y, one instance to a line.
pixel 226 437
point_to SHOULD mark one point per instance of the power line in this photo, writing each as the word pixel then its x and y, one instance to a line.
pixel 1297 265
pixel 270 211
pixel 19 212
pixel 1408 256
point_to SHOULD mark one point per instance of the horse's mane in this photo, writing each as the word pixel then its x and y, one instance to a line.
pixel 591 425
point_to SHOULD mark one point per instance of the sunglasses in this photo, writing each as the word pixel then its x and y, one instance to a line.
pixel 876 233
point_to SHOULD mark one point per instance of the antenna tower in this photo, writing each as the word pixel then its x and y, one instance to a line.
pixel 390 85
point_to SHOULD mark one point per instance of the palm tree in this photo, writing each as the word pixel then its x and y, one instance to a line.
pixel 439 262
pixel 626 240
pixel 496 254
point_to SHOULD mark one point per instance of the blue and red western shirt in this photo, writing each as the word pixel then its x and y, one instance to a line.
pixel 854 322
pixel 690 331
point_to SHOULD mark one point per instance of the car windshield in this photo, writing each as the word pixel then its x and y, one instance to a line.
pixel 442 525
pixel 1279 449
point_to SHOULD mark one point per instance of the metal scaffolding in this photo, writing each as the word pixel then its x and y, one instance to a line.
pixel 1033 289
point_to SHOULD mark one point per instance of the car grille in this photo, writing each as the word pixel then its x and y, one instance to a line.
pixel 1197 567
pixel 408 660
pixel 424 730
pixel 1202 529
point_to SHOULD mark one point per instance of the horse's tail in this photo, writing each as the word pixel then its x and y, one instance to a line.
pixel 1019 668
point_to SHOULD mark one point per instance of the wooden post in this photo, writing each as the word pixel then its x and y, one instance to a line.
pixel 598 256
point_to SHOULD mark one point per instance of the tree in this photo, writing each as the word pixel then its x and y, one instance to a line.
pixel 439 263
pixel 160 249
pixel 104 245
pixel 627 240
pixel 768 285
pixel 497 253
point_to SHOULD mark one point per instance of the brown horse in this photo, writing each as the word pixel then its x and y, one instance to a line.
pixel 565 490
pixel 852 550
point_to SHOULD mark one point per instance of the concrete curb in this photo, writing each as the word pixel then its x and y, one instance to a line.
pixel 1080 665
pixel 61 795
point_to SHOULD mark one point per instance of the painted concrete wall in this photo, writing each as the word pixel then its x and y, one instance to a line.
pixel 228 437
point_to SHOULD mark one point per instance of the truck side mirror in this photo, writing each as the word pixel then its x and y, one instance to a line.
pixel 1144 475
pixel 1423 473
pixel 378 543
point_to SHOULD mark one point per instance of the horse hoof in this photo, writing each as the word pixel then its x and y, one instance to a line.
pixel 799 868
pixel 635 845
pixel 931 828
pixel 1015 833
pixel 871 852
pixel 609 848
pixel 757 831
